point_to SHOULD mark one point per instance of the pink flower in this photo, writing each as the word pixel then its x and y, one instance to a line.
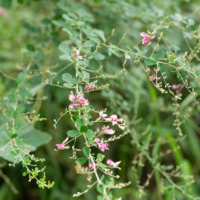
pixel 114 119
pixel 97 140
pixel 73 105
pixel 174 86
pixel 83 101
pixel 151 78
pixel 3 12
pixel 91 165
pixel 121 127
pixel 88 87
pixel 72 97
pixel 102 115
pixel 78 56
pixel 78 99
pixel 108 131
pixel 146 38
pixel 62 145
pixel 102 146
pixel 144 35
pixel 113 164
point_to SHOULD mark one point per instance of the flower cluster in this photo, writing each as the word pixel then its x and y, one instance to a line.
pixel 77 100
pixel 62 145
pixel 114 119
pixel 102 146
pixel 152 78
pixel 91 165
pixel 113 164
pixel 90 86
pixel 147 38
pixel 109 162
pixel 78 56
pixel 107 131
pixel 174 86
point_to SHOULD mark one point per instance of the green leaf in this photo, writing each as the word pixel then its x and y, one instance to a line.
pixel 100 157
pixel 35 137
pixel 14 136
pixel 86 151
pixel 67 85
pixel 64 48
pixel 13 153
pixel 72 133
pixel 98 56
pixel 88 44
pixel 67 77
pixel 100 188
pixel 151 61
pixel 24 173
pixel 100 33
pixel 113 50
pixel 173 70
pixel 79 123
pixel 155 57
pixel 83 129
pixel 99 197
pixel 171 59
pixel 66 57
pixel 29 137
pixel 81 161
pixel 85 15
pixel 86 75
pixel 90 134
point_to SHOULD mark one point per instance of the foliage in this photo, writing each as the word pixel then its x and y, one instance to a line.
pixel 136 62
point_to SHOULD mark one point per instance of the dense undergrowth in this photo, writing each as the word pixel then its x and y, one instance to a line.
pixel 99 99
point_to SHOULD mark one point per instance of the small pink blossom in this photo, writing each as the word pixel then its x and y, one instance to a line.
pixel 108 131
pixel 97 140
pixel 144 35
pixel 91 165
pixel 73 105
pixel 62 145
pixel 88 87
pixel 107 119
pixel 146 38
pixel 78 99
pixel 113 164
pixel 3 11
pixel 151 78
pixel 121 127
pixel 78 56
pixel 72 97
pixel 174 86
pixel 83 101
pixel 114 119
pixel 102 115
pixel 102 146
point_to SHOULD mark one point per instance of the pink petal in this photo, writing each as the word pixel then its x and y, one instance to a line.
pixel 143 34
pixel 145 40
